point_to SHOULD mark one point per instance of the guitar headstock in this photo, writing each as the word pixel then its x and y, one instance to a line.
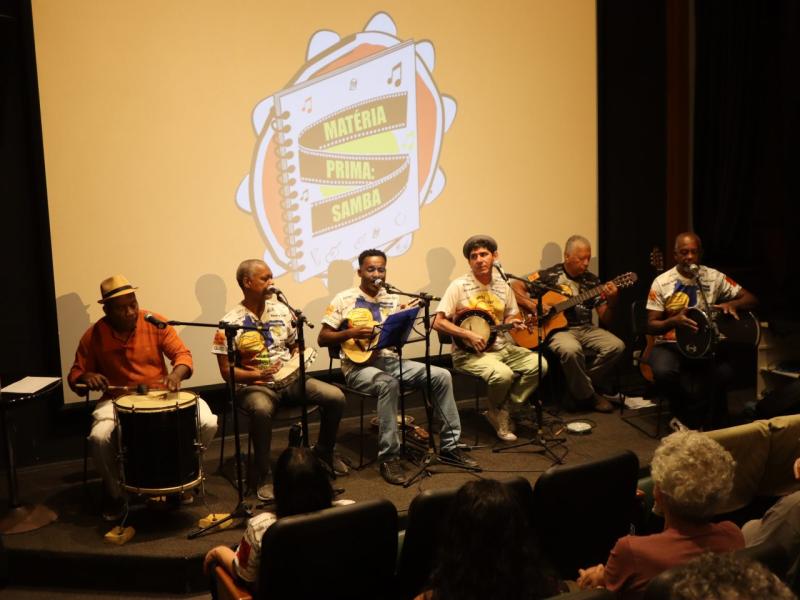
pixel 625 280
pixel 657 259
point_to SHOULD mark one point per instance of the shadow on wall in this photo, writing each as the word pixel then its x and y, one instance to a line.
pixel 440 263
pixel 211 293
pixel 73 321
pixel 341 274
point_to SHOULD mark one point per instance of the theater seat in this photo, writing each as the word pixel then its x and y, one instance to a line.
pixel 344 552
pixel 582 510
pixel 426 514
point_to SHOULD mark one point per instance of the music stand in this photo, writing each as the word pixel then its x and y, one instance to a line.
pixel 394 333
pixel 21 518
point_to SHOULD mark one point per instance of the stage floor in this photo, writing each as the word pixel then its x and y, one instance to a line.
pixel 71 552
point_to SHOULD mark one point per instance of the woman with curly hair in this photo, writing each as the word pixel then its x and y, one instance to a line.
pixel 487 549
pixel 692 476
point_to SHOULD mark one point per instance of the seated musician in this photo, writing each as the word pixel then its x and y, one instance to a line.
pixel 511 372
pixel 579 334
pixel 379 375
pixel 259 356
pixel 122 349
pixel 696 388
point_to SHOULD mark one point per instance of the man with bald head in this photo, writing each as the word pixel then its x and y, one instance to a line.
pixel 696 388
pixel 583 370
pixel 260 353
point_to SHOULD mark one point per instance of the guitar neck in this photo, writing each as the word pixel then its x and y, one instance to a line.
pixel 579 299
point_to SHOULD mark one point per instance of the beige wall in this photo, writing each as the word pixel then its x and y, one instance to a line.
pixel 146 113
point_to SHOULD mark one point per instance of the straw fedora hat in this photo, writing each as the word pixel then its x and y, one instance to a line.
pixel 116 285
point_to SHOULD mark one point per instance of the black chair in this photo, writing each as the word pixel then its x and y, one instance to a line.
pixel 312 556
pixel 421 540
pixel 771 555
pixel 582 510
pixel 640 361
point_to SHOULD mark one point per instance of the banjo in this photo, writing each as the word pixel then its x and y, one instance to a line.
pixel 290 370
pixel 480 322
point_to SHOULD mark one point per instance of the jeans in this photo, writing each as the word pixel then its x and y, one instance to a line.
pixel 381 378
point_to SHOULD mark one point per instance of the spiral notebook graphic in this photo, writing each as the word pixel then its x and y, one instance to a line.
pixel 347 159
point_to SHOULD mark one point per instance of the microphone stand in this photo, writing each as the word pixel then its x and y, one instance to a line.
pixel 430 457
pixel 545 444
pixel 242 509
pixel 298 323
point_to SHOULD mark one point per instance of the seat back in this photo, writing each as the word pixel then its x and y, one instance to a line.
pixel 314 555
pixel 582 510
pixel 426 515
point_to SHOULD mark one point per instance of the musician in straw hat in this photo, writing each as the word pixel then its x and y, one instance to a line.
pixel 260 354
pixel 123 350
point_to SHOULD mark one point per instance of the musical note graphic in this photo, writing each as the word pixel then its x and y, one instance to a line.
pixel 353 84
pixel 396 76
pixel 376 232
pixel 304 196
pixel 307 105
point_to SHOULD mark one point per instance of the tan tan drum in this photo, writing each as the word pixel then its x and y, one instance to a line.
pixel 159 444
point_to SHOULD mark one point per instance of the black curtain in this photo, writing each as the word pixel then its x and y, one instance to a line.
pixel 747 109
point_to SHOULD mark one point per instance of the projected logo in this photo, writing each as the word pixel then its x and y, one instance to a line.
pixel 348 152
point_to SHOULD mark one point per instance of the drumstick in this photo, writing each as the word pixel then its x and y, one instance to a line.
pixel 142 388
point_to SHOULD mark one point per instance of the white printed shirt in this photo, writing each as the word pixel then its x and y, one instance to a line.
pixel 259 348
pixel 381 306
pixel 671 292
pixel 496 298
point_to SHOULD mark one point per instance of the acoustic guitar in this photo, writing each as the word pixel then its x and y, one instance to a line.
pixel 554 319
pixel 657 262
pixel 357 349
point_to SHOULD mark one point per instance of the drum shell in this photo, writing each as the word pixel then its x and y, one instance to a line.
pixel 696 344
pixel 159 451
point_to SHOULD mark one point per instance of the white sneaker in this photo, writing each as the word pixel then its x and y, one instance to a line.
pixel 500 422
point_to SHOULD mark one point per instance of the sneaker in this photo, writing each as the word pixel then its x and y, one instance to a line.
pixel 499 421
pixel 601 404
pixel 265 492
pixel 459 458
pixel 113 509
pixel 392 471
pixel 332 462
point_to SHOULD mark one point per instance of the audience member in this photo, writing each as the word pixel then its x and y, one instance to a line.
pixel 487 549
pixel 726 577
pixel 692 476
pixel 301 485
pixel 780 524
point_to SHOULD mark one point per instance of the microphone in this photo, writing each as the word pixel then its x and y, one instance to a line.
pixel 499 268
pixel 694 270
pixel 378 282
pixel 273 290
pixel 153 320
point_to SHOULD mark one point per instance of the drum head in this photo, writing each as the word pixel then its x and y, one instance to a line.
pixel 478 324
pixel 695 344
pixel 155 401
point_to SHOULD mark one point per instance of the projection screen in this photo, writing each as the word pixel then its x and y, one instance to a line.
pixel 182 137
